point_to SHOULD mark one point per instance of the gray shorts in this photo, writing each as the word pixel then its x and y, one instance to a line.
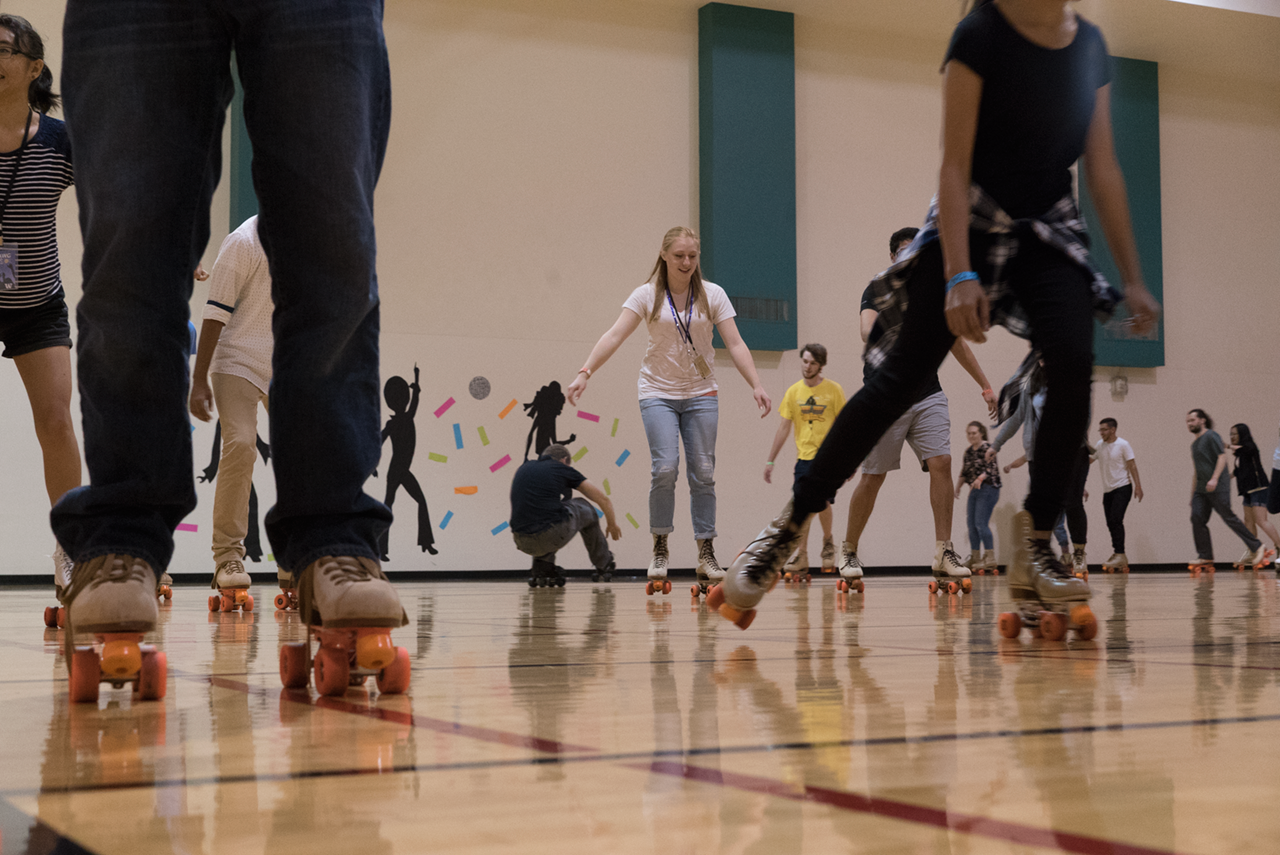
pixel 926 425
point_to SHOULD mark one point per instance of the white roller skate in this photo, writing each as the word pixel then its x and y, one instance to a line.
pixel 974 561
pixel 755 571
pixel 949 574
pixel 989 562
pixel 232 582
pixel 850 569
pixel 1262 557
pixel 828 555
pixel 1117 563
pixel 1079 564
pixel 1048 597
pixel 709 570
pixel 55 616
pixel 1245 560
pixel 797 569
pixel 658 582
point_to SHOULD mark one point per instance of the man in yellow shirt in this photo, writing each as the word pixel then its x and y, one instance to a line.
pixel 811 404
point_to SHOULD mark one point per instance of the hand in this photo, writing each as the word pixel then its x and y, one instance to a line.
pixel 1086 495
pixel 991 455
pixel 575 390
pixel 613 531
pixel 1007 467
pixel 201 274
pixel 1137 493
pixel 762 400
pixel 1144 310
pixel 993 403
pixel 968 311
pixel 201 401
pixel 1211 485
pixel 768 473
pixel 957 494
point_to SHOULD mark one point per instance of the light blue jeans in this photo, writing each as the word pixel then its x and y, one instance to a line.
pixel 667 422
pixel 982 501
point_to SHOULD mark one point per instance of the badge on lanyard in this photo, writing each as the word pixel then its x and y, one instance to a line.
pixel 9 266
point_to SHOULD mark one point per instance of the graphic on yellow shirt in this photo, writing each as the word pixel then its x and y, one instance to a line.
pixel 812 410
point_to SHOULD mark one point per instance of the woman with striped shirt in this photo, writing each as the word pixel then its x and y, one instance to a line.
pixel 35 167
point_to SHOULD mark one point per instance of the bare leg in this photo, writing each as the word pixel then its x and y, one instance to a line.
pixel 862 503
pixel 825 517
pixel 941 495
pixel 47 375
pixel 1260 517
pixel 1249 521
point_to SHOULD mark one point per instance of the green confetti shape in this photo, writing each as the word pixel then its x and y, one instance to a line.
pixel 582 452
pixel 438 458
pixel 633 522
pixel 615 428
pixel 484 437
pixel 607 491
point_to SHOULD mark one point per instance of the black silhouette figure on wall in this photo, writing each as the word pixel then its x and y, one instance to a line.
pixel 252 538
pixel 402 398
pixel 544 409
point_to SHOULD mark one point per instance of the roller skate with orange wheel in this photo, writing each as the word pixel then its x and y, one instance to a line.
pixel 287 599
pixel 232 582
pixel 974 562
pixel 112 599
pixel 796 570
pixel 350 608
pixel 1262 557
pixel 989 563
pixel 55 617
pixel 658 583
pixel 850 580
pixel 1049 599
pixel 949 574
pixel 164 587
pixel 1198 566
pixel 1079 564
pixel 1117 563
pixel 756 570
pixel 828 555
pixel 709 571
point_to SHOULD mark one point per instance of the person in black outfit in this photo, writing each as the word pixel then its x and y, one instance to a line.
pixel 1026 93
pixel 545 516
pixel 1254 488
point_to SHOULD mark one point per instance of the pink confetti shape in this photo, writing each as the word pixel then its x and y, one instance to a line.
pixel 188 527
pixel 506 458
pixel 440 411
pixel 588 416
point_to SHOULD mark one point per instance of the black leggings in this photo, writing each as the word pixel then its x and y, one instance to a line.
pixel 1055 294
pixel 1073 501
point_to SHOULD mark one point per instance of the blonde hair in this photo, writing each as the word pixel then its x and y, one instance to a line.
pixel 658 276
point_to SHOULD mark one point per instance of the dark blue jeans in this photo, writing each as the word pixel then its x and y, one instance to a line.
pixel 146 88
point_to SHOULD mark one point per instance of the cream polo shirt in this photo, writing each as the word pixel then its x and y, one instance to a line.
pixel 240 298
pixel 668 370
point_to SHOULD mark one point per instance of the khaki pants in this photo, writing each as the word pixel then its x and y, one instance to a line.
pixel 237 402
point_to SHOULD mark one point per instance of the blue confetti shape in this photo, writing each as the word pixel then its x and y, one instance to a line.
pixel 599 513
pixel 622 458
pixel 444 523
pixel 501 528
pixel 457 434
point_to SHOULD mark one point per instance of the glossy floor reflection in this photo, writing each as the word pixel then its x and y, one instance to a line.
pixel 595 719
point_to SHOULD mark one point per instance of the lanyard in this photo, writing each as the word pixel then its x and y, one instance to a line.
pixel 684 328
pixel 4 201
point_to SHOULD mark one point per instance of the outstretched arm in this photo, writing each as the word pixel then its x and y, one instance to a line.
pixel 608 344
pixel 961 351
pixel 416 389
pixel 595 494
pixel 744 363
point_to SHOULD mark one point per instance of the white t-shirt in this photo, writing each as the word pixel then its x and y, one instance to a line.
pixel 668 369
pixel 240 297
pixel 1111 463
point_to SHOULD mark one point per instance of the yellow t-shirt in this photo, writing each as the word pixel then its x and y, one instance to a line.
pixel 813 409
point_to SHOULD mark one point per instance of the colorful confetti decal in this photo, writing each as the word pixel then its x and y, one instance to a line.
pixel 506 458
pixel 440 410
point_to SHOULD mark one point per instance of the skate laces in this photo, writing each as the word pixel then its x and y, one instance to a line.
pixel 348 570
pixel 950 556
pixel 105 569
pixel 707 555
pixel 776 551
pixel 1042 554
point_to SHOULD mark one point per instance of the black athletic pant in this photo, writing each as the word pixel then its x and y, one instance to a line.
pixel 1114 504
pixel 1056 296
pixel 1073 502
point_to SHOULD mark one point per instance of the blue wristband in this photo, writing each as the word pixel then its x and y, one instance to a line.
pixel 961 277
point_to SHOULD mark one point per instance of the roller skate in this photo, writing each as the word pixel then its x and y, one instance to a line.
pixel 349 608
pixel 658 582
pixel 989 562
pixel 231 581
pixel 287 599
pixel 1262 557
pixel 828 555
pixel 709 570
pixel 755 571
pixel 1049 599
pixel 948 573
pixel 545 574
pixel 797 569
pixel 605 575
pixel 850 570
pixel 974 562
pixel 1079 564
pixel 1117 563
pixel 164 586
pixel 1201 565
pixel 112 598
pixel 56 616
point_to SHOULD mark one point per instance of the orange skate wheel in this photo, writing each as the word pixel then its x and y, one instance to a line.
pixel 153 674
pixel 85 675
pixel 666 586
pixel 215 603
pixel 248 602
pixel 282 602
pixel 332 671
pixel 1009 624
pixel 293 665
pixel 228 602
pixel 394 679
pixel 1053 626
pixel 374 650
pixel 715 597
pixel 966 585
pixel 952 587
pixel 740 619
pixel 51 616
pixel 648 588
pixel 121 656
pixel 842 586
pixel 858 586
pixel 933 586
pixel 695 590
pixel 62 616
pixel 1085 622
pixel 166 592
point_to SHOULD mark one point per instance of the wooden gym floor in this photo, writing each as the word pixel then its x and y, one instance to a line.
pixel 594 719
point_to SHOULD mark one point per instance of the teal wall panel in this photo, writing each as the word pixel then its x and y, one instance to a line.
pixel 747 166
pixel 1135 118
pixel 244 201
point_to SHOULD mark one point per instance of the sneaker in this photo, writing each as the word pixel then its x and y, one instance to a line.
pixel 112 593
pixel 850 566
pixel 708 567
pixel 828 555
pixel 947 564
pixel 658 566
pixel 230 575
pixel 345 591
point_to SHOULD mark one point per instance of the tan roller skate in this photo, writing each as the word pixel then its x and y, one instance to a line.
pixel 755 571
pixel 164 586
pixel 797 569
pixel 56 616
pixel 1117 563
pixel 232 582
pixel 287 599
pixel 1049 599
pixel 350 608
pixel 974 562
pixel 949 574
pixel 657 574
pixel 828 555
pixel 1079 564
pixel 989 562
pixel 1200 565
pixel 112 598
pixel 850 570
pixel 709 570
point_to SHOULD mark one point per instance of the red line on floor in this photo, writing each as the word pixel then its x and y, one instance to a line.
pixel 483 734
pixel 1022 835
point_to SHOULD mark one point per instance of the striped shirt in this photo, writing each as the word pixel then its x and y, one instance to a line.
pixel 30 216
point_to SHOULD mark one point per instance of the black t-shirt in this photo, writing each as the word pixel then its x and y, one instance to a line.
pixel 931 387
pixel 538 493
pixel 1037 104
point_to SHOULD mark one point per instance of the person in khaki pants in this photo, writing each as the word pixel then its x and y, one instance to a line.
pixel 233 373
